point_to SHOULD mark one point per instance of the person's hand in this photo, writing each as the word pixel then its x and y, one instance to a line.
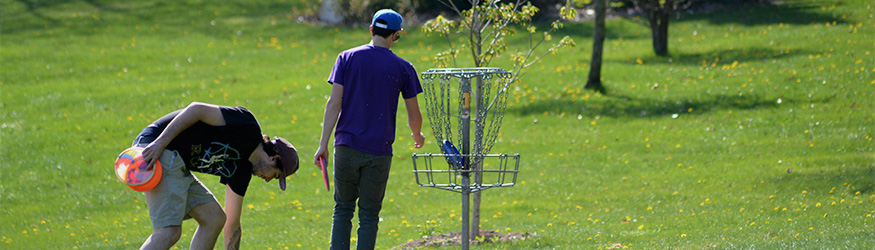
pixel 151 154
pixel 418 140
pixel 321 153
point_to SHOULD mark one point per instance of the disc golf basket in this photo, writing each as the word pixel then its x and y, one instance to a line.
pixel 457 101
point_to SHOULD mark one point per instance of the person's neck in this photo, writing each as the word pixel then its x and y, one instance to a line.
pixel 381 42
pixel 257 154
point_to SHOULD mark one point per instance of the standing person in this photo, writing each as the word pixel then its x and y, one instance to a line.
pixel 366 82
pixel 217 140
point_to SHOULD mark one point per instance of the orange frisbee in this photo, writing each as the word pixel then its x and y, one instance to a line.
pixel 130 168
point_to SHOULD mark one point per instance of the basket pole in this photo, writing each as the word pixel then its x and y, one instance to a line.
pixel 466 209
pixel 466 149
pixel 441 113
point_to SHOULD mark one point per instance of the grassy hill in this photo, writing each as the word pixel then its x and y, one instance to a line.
pixel 755 133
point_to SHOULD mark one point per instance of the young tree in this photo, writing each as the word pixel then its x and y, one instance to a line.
pixel 594 80
pixel 485 27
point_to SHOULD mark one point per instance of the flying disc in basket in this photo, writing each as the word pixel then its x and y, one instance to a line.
pixel 130 168
pixel 322 163
pixel 453 155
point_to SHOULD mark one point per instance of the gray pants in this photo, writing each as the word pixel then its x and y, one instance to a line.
pixel 358 176
pixel 177 193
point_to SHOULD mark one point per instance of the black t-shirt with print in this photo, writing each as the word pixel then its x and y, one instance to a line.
pixel 217 150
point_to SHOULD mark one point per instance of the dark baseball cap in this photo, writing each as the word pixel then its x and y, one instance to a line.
pixel 288 158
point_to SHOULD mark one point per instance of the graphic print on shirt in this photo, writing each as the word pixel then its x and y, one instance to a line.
pixel 217 159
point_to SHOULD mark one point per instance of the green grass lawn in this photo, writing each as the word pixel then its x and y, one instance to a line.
pixel 755 133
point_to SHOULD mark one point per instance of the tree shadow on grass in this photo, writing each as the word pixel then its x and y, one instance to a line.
pixel 721 56
pixel 43 14
pixel 585 30
pixel 647 107
pixel 207 19
pixel 788 12
pixel 854 174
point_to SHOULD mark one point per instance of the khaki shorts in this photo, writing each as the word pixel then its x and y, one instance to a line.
pixel 176 194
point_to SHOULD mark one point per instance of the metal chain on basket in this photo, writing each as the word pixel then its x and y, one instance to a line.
pixel 491 115
pixel 494 110
pixel 438 84
pixel 445 114
pixel 434 101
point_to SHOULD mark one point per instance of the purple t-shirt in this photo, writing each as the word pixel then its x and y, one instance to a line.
pixel 372 78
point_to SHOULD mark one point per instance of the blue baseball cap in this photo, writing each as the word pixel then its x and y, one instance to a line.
pixel 393 20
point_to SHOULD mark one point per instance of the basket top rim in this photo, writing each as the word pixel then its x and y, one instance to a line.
pixel 465 71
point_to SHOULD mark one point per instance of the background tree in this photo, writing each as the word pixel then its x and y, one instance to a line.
pixel 658 14
pixel 485 26
pixel 594 81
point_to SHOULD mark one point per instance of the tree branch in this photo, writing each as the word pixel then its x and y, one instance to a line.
pixel 451 5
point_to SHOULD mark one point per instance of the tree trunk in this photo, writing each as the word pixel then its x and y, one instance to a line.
pixel 477 47
pixel 658 15
pixel 660 38
pixel 595 70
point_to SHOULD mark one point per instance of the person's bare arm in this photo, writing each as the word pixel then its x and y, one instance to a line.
pixel 232 230
pixel 332 113
pixel 414 120
pixel 195 112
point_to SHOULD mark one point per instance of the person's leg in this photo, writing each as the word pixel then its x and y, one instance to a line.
pixel 210 219
pixel 166 203
pixel 346 181
pixel 374 176
pixel 162 238
pixel 202 205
